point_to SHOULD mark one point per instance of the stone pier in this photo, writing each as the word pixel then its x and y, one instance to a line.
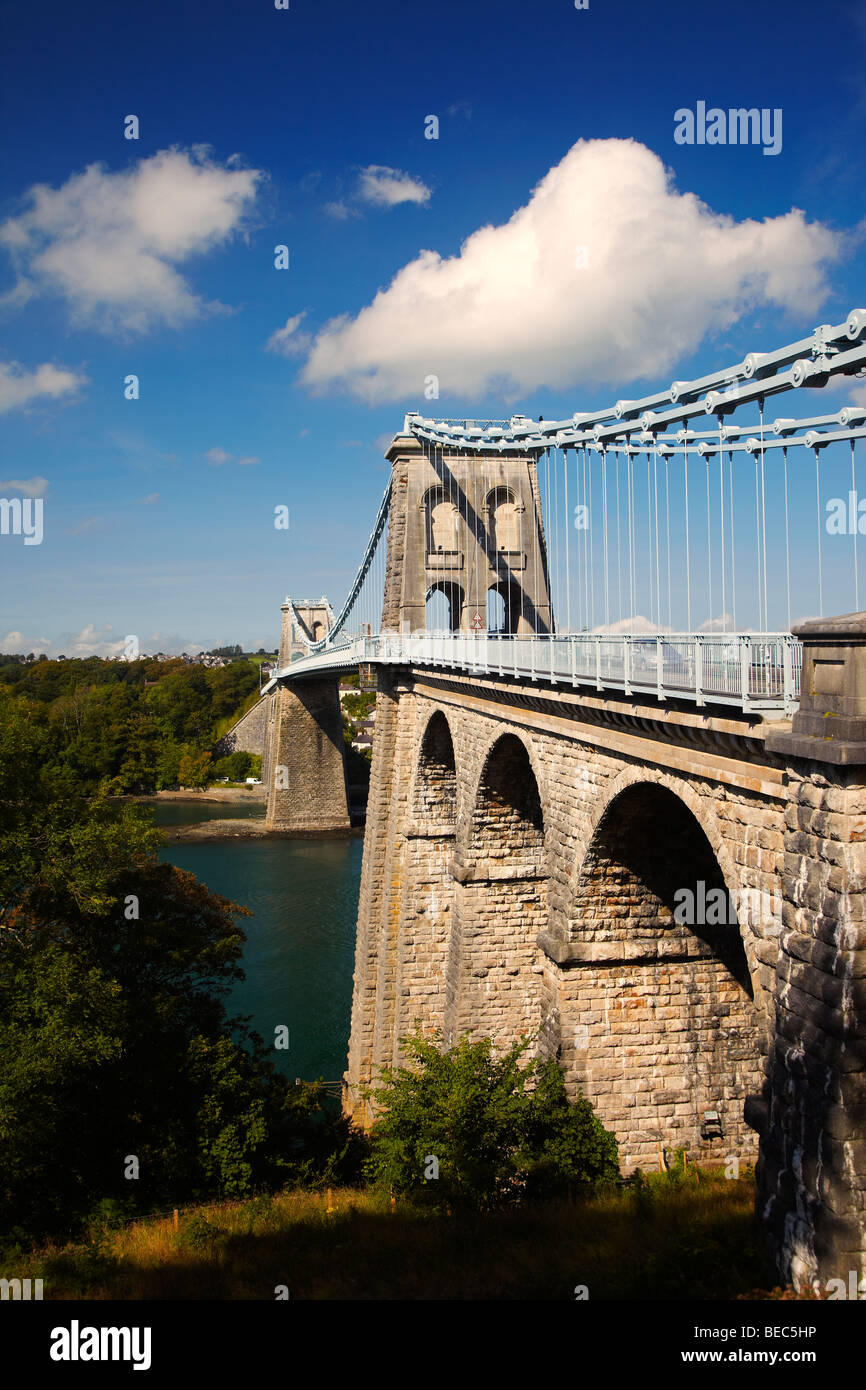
pixel 812 1113
pixel 304 762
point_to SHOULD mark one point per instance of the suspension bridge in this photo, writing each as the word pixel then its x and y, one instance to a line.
pixel 610 696
pixel 631 505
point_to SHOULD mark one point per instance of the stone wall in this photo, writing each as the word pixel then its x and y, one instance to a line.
pixel 306 766
pixel 531 890
pixel 248 735
pixel 812 1111
pixel 813 1168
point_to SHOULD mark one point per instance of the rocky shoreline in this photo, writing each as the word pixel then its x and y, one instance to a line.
pixel 243 794
pixel 253 829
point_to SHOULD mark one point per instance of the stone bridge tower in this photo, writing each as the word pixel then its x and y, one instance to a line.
pixel 463 525
pixel 304 765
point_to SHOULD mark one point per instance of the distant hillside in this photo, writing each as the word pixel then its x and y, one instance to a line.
pixel 137 725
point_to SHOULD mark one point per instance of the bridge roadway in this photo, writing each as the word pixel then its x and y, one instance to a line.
pixel 754 672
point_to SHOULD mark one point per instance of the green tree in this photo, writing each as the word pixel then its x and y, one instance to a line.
pixel 236 766
pixel 115 969
pixel 194 769
pixel 61 1033
pixel 168 764
pixel 500 1132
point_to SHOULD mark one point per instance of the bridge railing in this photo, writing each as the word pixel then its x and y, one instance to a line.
pixel 753 671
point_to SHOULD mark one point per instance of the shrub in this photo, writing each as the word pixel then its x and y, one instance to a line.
pixel 463 1130
pixel 236 766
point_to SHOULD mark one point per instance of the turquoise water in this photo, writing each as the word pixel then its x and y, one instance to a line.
pixel 300 951
pixel 192 813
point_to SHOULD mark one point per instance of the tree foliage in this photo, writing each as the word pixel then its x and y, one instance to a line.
pixel 238 765
pixel 128 724
pixel 500 1132
pixel 114 1037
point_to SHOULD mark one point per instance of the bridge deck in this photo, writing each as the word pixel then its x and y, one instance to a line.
pixel 750 671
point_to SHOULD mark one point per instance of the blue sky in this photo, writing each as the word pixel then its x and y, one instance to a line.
pixel 306 127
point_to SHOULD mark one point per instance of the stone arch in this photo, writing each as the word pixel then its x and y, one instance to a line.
pixel 435 792
pixel 476 771
pixel 319 631
pixel 493 985
pixel 658 993
pixel 507 611
pixel 735 883
pixel 443 606
pixel 427 913
pixel 508 805
pixel 702 813
pixel 496 612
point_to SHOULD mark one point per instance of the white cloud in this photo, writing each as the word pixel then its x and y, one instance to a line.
pixel 339 210
pixel 93 641
pixel 20 387
pixel 287 340
pixel 217 457
pixel 149 500
pixel 514 311
pixel 384 187
pixel 15 643
pixel 638 623
pixel 31 487
pixel 725 623
pixel 83 526
pixel 109 243
pixel 88 642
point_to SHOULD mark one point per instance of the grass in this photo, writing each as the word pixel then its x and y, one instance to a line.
pixel 673 1236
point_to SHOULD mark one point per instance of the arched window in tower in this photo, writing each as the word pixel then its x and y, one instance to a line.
pixel 441 522
pixel 504 519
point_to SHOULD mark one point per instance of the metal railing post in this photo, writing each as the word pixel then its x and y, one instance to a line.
pixel 659 670
pixel 626 665
pixel 745 667
pixel 699 668
pixel 787 674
